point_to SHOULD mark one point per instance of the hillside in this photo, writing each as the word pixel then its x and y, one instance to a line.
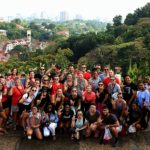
pixel 126 44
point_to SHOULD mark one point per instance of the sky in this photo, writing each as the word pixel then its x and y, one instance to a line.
pixel 88 9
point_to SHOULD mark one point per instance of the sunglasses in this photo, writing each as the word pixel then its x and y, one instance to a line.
pixel 74 90
pixel 45 80
pixel 34 90
pixel 100 84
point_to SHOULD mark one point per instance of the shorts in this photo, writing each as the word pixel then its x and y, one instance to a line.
pixel 34 129
pixel 14 108
pixel 6 104
pixel 24 107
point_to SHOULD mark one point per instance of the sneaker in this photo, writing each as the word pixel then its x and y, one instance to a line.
pixel 116 144
pixel 101 142
pixel 77 135
pixel 29 137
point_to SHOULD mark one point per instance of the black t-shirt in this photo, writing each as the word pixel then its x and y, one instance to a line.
pixel 127 91
pixel 101 96
pixel 44 102
pixel 109 120
pixel 92 118
pixel 134 115
pixel 49 90
pixel 65 117
pixel 76 100
pixel 38 76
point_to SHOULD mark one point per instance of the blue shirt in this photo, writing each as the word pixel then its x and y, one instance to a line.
pixel 50 118
pixel 143 97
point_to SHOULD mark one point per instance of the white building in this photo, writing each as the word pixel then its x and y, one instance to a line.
pixel 3 32
pixel 64 16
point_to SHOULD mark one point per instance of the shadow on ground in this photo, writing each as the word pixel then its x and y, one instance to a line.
pixel 139 141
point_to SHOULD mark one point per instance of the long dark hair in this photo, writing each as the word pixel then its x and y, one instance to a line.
pixel 52 109
pixel 2 88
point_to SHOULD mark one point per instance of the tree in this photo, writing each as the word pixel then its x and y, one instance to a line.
pixel 117 20
pixel 16 21
pixel 131 19
pixel 147 40
pixel 51 26
pixel 62 57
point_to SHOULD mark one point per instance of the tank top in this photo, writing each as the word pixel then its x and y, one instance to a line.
pixel 119 108
pixel 81 85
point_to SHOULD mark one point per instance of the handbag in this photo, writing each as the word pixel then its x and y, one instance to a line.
pixel 131 129
pixel 107 134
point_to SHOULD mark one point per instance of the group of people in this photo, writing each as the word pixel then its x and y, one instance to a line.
pixel 77 101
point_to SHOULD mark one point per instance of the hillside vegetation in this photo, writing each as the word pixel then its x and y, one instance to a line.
pixel 126 44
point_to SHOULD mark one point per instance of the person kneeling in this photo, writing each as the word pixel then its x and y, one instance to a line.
pixel 110 122
pixel 33 124
pixel 49 120
pixel 93 119
pixel 80 125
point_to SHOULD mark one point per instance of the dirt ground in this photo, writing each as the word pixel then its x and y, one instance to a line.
pixel 8 142
pixel 140 141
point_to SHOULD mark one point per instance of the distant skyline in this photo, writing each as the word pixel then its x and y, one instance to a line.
pixel 104 10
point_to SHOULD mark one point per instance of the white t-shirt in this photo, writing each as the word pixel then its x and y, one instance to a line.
pixel 28 99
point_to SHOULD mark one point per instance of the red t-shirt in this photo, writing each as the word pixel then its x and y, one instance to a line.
pixel 108 80
pixel 56 86
pixel 87 75
pixel 4 97
pixel 17 95
pixel 89 97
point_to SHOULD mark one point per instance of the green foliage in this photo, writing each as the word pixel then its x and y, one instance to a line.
pixel 147 40
pixel 16 21
pixel 132 19
pixel 133 72
pixel 117 20
pixel 90 42
pixel 62 56
pixel 28 60
pixel 51 26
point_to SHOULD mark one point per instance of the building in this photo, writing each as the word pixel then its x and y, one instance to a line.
pixel 64 16
pixel 2 19
pixel 3 32
pixel 8 46
pixel 18 26
pixel 78 17
pixel 64 33
pixel 4 56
